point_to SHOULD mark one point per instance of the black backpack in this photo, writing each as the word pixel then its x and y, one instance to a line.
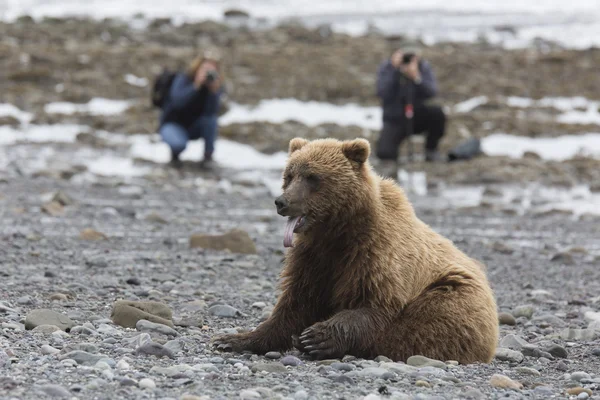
pixel 161 87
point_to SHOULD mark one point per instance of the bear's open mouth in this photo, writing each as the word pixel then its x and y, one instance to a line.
pixel 292 226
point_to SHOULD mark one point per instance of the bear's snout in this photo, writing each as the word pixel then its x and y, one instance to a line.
pixel 282 205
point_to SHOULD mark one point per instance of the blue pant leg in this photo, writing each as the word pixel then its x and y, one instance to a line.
pixel 206 127
pixel 175 136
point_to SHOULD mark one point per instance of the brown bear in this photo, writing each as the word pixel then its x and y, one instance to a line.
pixel 364 276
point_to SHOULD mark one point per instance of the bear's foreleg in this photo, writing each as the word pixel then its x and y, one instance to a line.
pixel 288 318
pixel 347 332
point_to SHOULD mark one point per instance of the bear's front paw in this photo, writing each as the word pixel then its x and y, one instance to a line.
pixel 319 341
pixel 236 342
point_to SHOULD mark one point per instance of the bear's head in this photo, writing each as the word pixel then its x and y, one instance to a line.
pixel 322 180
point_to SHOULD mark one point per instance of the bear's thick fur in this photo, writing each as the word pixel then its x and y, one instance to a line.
pixel 365 276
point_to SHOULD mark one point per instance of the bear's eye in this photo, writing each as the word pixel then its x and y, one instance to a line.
pixel 313 180
pixel 287 178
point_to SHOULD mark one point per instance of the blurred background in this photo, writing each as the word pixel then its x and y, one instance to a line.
pixel 521 76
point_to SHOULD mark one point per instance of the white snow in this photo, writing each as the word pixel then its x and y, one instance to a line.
pixel 96 106
pixel 470 104
pixel 135 80
pixel 310 113
pixel 9 110
pixel 558 149
pixel 40 133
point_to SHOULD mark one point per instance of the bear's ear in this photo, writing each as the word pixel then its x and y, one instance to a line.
pixel 297 144
pixel 357 150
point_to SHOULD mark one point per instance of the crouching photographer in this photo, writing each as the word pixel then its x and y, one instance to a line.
pixel 404 83
pixel 191 107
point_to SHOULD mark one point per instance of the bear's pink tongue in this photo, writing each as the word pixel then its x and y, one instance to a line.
pixel 288 234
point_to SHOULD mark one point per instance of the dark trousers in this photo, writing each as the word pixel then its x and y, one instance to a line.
pixel 430 120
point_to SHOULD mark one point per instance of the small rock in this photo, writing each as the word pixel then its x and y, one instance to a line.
pixel 137 341
pixel 343 366
pixel 133 281
pixel 596 352
pixel 128 313
pixel 504 382
pixel 123 365
pixel 502 248
pixel 422 384
pixel 562 366
pixel 259 304
pixel 147 383
pixel 48 317
pixel 580 376
pixel 249 394
pixel 236 241
pixel 171 371
pixel 224 311
pixel 509 355
pixel 154 349
pixel 6 309
pixel 563 258
pixel 534 351
pixel 92 235
pixel 473 394
pixel 4 360
pixel 49 350
pixel 59 297
pixel 548 320
pixel 156 218
pixel 301 395
pixel 576 391
pixel 578 334
pixel 55 391
pixel 523 311
pixel 528 371
pixel 505 318
pixel 83 357
pixel 591 316
pixel 133 192
pixel 543 392
pixel 398 368
pixel 374 372
pixel 127 382
pixel 291 361
pixel 513 342
pixel 421 361
pixel 54 209
pixel 583 396
pixel 189 322
pixel 275 368
pixel 372 396
pixel 273 355
pixel 194 306
pixel 62 198
pixel 557 351
pixel 381 359
pixel 151 327
pixel 46 329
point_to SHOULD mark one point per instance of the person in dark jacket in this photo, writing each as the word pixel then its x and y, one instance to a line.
pixel 406 75
pixel 192 107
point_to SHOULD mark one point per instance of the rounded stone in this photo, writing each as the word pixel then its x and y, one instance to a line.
pixel 147 383
pixel 291 361
pixel 273 355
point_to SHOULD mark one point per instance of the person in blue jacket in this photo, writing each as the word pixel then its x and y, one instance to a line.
pixel 191 109
pixel 406 76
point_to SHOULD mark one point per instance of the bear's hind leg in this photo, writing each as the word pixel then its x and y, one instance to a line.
pixel 447 322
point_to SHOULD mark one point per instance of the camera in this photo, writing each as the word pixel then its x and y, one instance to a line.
pixel 407 58
pixel 211 76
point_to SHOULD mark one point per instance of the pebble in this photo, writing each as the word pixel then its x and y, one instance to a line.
pixel 291 361
pixel 473 394
pixel 580 376
pixel 421 383
pixel 583 396
pixel 544 392
pixel 133 281
pixel 6 309
pixel 504 382
pixel 83 357
pixel 147 326
pixel 513 342
pixel 259 304
pixel 528 371
pixel 576 391
pixel 372 397
pixel 172 370
pixel 534 351
pixel 557 351
pixel 343 379
pixel 45 329
pixel 578 334
pixel 381 359
pixel 108 374
pixel 123 365
pixel 273 355
pixel 301 395
pixel 596 352
pixel 4 360
pixel 249 394
pixel 421 361
pixel 399 368
pixel 343 366
pixel 548 320
pixel 128 382
pixel 147 383
pixel 509 355
pixel 155 349
pixel 523 311
pixel 102 365
pixel 55 391
pixel 24 300
pixel 48 317
pixel 505 318
pixel 137 341
pixel 224 311
pixel 275 368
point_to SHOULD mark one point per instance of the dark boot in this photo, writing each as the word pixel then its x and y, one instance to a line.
pixel 175 161
pixel 433 156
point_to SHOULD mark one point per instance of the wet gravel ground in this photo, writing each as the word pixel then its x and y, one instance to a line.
pixel 545 272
